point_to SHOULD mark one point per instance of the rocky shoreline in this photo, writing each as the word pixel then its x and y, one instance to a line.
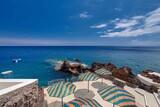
pixel 124 73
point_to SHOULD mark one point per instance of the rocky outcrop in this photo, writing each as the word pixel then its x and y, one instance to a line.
pixel 72 69
pixel 77 69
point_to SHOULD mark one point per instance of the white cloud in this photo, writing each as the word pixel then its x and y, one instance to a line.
pixel 153 18
pixel 138 17
pixel 126 23
pixel 99 26
pixel 133 33
pixel 136 25
pixel 84 15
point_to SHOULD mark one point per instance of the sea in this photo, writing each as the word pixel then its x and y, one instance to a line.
pixel 34 65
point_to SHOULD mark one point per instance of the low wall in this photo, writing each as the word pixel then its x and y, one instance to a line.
pixel 26 96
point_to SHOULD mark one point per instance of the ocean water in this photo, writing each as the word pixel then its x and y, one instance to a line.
pixel 33 59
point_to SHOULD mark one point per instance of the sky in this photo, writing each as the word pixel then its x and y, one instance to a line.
pixel 80 22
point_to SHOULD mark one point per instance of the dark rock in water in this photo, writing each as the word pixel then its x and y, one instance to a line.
pixel 128 70
pixel 79 68
pixel 147 71
pixel 72 69
pixel 109 66
pixel 96 65
pixel 65 66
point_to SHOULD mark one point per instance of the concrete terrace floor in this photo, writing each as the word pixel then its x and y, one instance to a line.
pixel 150 99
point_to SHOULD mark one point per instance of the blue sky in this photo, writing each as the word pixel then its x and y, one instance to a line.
pixel 80 22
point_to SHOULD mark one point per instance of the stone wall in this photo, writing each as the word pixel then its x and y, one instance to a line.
pixel 23 97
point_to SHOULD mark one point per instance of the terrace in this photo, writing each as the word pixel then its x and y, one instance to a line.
pixel 145 99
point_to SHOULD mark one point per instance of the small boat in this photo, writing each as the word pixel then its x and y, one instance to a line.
pixel 16 60
pixel 6 72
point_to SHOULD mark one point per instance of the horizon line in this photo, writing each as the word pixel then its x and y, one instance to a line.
pixel 78 46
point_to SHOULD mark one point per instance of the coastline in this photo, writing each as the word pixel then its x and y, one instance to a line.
pixel 122 76
pixel 33 65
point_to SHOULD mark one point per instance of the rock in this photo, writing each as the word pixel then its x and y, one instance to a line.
pixel 8 104
pixel 80 69
pixel 95 66
pixel 65 66
pixel 128 70
pixel 110 66
pixel 125 73
pixel 147 71
pixel 150 89
pixel 74 69
pixel 18 101
pixel 27 95
pixel 3 101
pixel 154 89
pixel 26 104
pixel 41 95
pixel 155 78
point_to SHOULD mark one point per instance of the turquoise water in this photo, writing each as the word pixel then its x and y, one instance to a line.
pixel 33 59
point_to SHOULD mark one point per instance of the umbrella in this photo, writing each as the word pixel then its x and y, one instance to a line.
pixel 117 96
pixel 82 102
pixel 103 72
pixel 61 89
pixel 88 76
